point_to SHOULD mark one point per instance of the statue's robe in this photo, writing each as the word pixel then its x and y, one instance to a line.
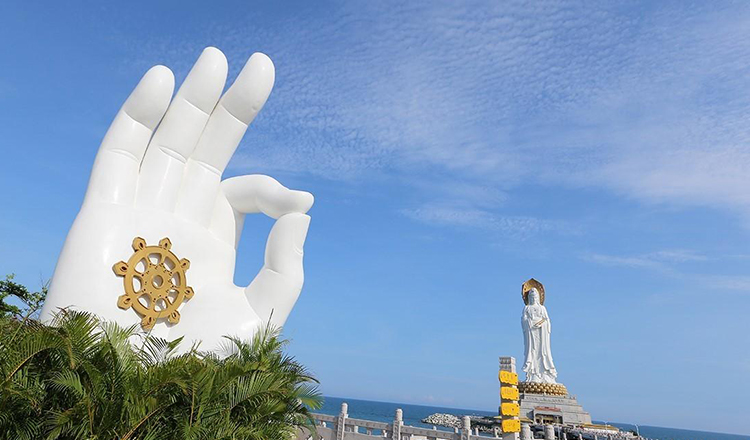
pixel 539 366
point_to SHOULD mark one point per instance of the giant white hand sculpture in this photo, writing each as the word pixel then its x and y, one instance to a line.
pixel 158 174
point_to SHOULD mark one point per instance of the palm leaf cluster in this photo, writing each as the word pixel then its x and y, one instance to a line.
pixel 81 378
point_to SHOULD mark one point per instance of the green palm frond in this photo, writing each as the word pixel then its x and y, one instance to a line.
pixel 68 381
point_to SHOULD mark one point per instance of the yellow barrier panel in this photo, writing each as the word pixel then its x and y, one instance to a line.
pixel 509 393
pixel 510 409
pixel 508 378
pixel 511 426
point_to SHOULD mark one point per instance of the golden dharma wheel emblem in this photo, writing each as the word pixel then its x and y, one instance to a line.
pixel 154 281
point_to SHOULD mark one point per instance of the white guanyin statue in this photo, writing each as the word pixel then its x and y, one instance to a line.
pixel 538 366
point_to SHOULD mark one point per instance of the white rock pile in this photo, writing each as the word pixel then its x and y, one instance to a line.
pixel 447 420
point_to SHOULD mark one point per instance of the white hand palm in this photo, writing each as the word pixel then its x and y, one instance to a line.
pixel 166 182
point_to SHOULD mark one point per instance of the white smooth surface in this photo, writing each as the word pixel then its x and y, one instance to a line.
pixel 158 174
pixel 536 337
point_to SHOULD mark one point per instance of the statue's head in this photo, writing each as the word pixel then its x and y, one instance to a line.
pixel 533 296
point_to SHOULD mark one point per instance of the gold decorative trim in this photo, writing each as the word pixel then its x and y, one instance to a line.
pixel 555 389
pixel 531 284
pixel 154 281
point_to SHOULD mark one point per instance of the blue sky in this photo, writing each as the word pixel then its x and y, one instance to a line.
pixel 455 150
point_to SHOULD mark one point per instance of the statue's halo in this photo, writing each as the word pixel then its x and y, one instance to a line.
pixel 531 284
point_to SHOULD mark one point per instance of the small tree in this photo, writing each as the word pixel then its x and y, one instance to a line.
pixel 32 300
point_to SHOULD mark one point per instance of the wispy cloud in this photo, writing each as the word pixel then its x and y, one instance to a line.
pixel 651 106
pixel 633 262
pixel 678 256
pixel 659 260
pixel 670 262
pixel 519 227
pixel 727 282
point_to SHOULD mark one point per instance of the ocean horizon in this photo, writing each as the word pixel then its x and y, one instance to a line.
pixel 413 415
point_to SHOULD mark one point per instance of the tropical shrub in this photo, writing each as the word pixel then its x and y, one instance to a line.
pixel 82 378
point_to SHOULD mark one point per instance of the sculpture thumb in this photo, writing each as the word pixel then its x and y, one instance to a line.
pixel 274 291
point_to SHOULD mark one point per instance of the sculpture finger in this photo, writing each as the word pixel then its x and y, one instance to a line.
pixel 224 130
pixel 164 163
pixel 236 110
pixel 259 193
pixel 277 286
pixel 115 173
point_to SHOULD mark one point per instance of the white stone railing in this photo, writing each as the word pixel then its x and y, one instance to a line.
pixel 342 427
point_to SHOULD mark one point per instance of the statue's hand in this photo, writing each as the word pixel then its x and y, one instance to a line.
pixel 162 182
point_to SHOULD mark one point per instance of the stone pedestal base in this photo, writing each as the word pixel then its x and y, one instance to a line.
pixel 543 408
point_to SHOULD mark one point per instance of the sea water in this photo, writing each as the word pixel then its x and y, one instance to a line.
pixel 413 414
